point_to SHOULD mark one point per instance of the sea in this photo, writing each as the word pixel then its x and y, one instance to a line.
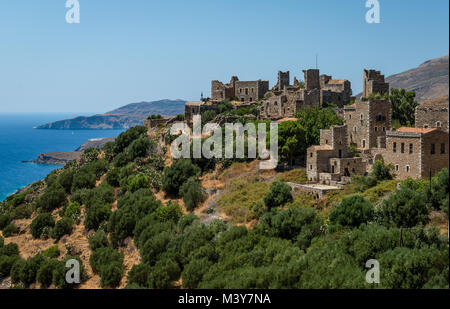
pixel 20 142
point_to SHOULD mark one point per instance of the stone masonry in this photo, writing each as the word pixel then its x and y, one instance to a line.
pixel 433 114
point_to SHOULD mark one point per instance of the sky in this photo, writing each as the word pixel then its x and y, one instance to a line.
pixel 143 50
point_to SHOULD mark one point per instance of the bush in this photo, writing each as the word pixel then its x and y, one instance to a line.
pixel 96 215
pixel 10 230
pixel 163 274
pixel 45 273
pixel 53 252
pixel 21 212
pixel 193 273
pixel 73 211
pixel 177 174
pixel 30 269
pixel 40 222
pixel 104 256
pixel 351 212
pixel 171 212
pixel 113 177
pixel 364 182
pixel 109 264
pixel 53 198
pixel 381 171
pixel 62 227
pixel 6 264
pixel 16 271
pixel 127 137
pixel 2 242
pixel 193 193
pixel 279 194
pixel 5 220
pixel 111 275
pixel 98 240
pixel 84 179
pixel 139 275
pixel 139 148
pixel 405 208
pixel 66 179
pixel 439 192
pixel 10 249
pixel 140 181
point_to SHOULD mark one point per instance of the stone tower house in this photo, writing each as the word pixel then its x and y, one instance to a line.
pixel 374 83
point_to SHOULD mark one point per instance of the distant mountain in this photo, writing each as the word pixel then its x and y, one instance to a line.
pixel 429 80
pixel 122 118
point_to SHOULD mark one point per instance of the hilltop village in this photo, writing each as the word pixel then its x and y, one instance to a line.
pixel 354 182
pixel 413 152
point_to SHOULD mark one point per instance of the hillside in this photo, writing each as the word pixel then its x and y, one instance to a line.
pixel 429 80
pixel 122 118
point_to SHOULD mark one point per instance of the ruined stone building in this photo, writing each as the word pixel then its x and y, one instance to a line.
pixel 433 114
pixel 285 100
pixel 374 83
pixel 196 108
pixel 331 162
pixel 245 91
pixel 367 120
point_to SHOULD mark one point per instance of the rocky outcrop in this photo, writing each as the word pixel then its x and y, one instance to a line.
pixel 61 158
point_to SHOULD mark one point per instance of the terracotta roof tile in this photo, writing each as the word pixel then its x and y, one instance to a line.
pixel 415 130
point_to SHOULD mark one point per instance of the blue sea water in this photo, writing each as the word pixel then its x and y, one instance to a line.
pixel 19 141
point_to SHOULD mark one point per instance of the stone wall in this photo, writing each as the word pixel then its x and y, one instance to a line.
pixel 433 114
pixel 374 83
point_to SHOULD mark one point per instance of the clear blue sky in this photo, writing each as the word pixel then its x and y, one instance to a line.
pixel 142 50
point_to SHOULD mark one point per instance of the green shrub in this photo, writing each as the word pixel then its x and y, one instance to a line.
pixel 139 275
pixel 113 177
pixel 21 212
pixel 405 208
pixel 177 174
pixel 2 242
pixel 10 230
pixel 279 194
pixel 16 270
pixel 193 193
pixel 163 274
pixel 30 269
pixel 5 220
pixel 364 182
pixel 171 212
pixel 45 273
pixel 10 249
pixel 66 179
pixel 6 264
pixel 53 198
pixel 382 171
pixel 109 264
pixel 193 273
pixel 83 179
pixel 98 240
pixel 53 252
pixel 104 256
pixel 40 222
pixel 140 181
pixel 140 148
pixel 62 227
pixel 73 211
pixel 127 137
pixel 351 212
pixel 111 275
pixel 96 215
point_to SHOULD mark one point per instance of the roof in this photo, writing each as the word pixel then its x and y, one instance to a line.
pixel 415 130
pixel 287 119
